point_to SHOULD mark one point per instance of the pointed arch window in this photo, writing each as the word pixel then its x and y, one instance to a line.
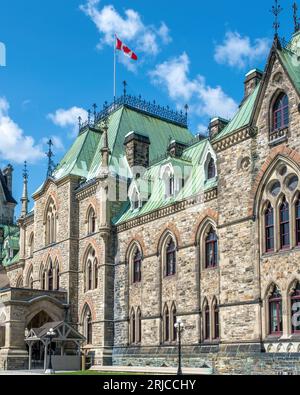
pixel 51 223
pixel 206 322
pixel 284 216
pixel 31 245
pixel 88 325
pixel 132 327
pixel 50 277
pixel 281 112
pixel 275 312
pixel 295 309
pixel 211 249
pixel 89 276
pixel 211 169
pixel 44 279
pixel 166 324
pixel 269 228
pixel 139 326
pixel 137 267
pixel 96 274
pixel 173 322
pixel 30 282
pixel 57 275
pixel 216 322
pixel 91 221
pixel 297 221
pixel 171 258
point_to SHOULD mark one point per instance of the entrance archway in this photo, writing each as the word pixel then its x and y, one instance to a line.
pixel 38 351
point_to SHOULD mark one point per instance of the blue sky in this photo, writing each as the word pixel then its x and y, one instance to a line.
pixel 59 62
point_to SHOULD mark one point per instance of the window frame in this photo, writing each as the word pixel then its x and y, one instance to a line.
pixel 211 245
pixel 269 211
pixel 283 223
pixel 295 297
pixel 275 298
pixel 170 258
pixel 281 109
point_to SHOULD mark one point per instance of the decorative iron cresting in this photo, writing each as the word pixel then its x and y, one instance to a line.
pixel 179 118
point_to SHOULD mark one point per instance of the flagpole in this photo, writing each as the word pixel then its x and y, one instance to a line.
pixel 115 69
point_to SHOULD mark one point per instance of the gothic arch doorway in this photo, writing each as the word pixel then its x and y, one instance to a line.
pixel 39 320
pixel 38 352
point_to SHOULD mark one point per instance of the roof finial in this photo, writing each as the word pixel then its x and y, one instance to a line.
pixel 276 11
pixel 50 160
pixel 95 112
pixel 89 117
pixel 296 19
pixel 24 199
pixel 125 88
pixel 79 122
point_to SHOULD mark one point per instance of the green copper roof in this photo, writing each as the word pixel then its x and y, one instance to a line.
pixel 10 251
pixel 292 66
pixel 84 157
pixel 242 118
pixel 194 182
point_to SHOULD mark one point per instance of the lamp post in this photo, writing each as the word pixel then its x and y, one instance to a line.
pixel 50 335
pixel 179 328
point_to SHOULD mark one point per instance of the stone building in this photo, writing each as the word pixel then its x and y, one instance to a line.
pixel 142 224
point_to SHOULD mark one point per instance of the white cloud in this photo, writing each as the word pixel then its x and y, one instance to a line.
pixel 15 146
pixel 68 118
pixel 130 28
pixel 239 51
pixel 206 100
pixel 57 142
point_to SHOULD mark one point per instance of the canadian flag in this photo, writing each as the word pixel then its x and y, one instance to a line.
pixel 127 51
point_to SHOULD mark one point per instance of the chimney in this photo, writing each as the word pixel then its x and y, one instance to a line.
pixel 216 126
pixel 176 149
pixel 7 172
pixel 137 149
pixel 252 79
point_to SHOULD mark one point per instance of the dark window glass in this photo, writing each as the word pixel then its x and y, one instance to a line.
pixel 207 323
pixel 89 330
pixel 211 170
pixel 211 250
pixel 171 259
pixel 284 225
pixel 216 323
pixel 297 215
pixel 275 313
pixel 167 325
pixel 137 267
pixel 269 228
pixel 281 112
pixel 50 278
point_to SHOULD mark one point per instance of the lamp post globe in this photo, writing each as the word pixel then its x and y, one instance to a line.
pixel 50 336
pixel 179 326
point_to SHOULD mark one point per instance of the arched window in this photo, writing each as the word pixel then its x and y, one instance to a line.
pixel 29 278
pixel 135 200
pixel 137 267
pixel 139 326
pixel 173 322
pixel 281 112
pixel 211 250
pixel 91 270
pixel 171 258
pixel 216 322
pixel 211 169
pixel 30 283
pixel 89 276
pixel 51 223
pixel 275 312
pixel 206 322
pixel 295 309
pixel 57 277
pixel 50 277
pixel 297 219
pixel 31 245
pixel 269 228
pixel 43 279
pixel 171 186
pixel 284 216
pixel 168 177
pixel 166 324
pixel 88 325
pixel 132 327
pixel 91 221
pixel 96 273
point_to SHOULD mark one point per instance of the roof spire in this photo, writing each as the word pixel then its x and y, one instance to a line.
pixel 296 19
pixel 276 11
pixel 125 88
pixel 105 151
pixel 24 199
pixel 50 160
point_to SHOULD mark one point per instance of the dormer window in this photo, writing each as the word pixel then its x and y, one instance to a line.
pixel 134 196
pixel 211 169
pixel 171 187
pixel 168 178
pixel 281 112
